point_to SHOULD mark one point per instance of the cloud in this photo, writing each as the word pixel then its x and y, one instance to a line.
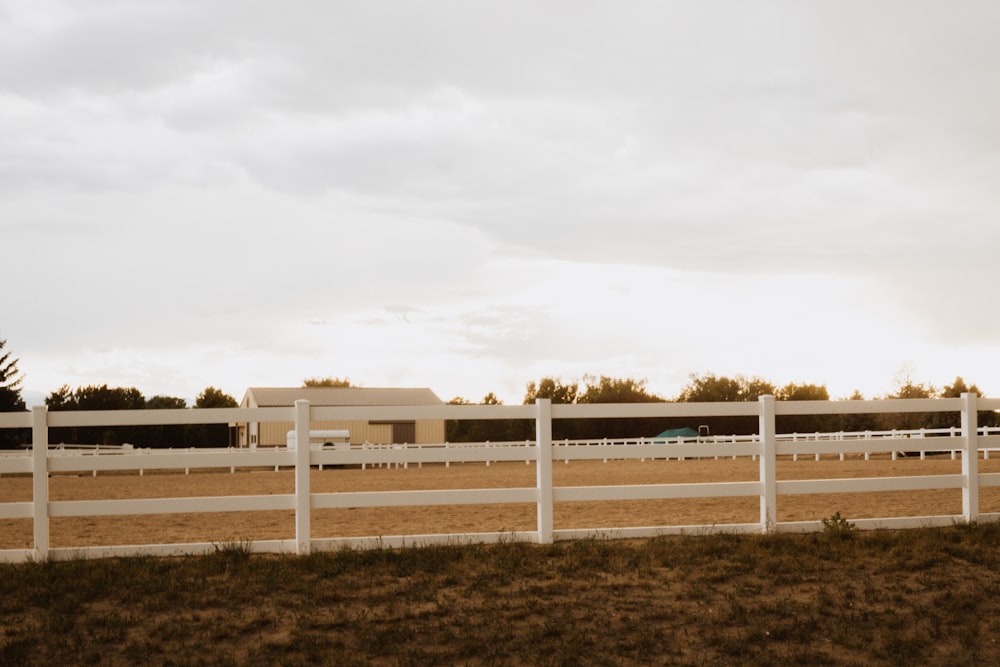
pixel 497 191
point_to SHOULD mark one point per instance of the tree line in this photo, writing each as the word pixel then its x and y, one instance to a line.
pixel 103 397
pixel 707 388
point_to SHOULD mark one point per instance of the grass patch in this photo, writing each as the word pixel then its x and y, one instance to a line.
pixel 840 597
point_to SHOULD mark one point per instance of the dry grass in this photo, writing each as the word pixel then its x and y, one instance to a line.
pixel 928 597
pixel 837 598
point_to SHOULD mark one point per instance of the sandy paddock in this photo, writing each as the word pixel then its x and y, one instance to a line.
pixel 218 527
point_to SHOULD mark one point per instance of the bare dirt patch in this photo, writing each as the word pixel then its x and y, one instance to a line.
pixel 209 527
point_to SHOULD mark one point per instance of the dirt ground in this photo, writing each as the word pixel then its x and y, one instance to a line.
pixel 220 527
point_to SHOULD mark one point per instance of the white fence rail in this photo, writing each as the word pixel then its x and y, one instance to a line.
pixel 765 447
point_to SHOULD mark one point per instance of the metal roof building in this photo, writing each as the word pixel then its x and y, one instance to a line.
pixel 267 434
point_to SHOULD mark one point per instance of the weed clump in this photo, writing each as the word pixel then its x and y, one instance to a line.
pixel 231 554
pixel 838 528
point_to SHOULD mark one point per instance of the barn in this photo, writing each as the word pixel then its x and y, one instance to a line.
pixel 270 434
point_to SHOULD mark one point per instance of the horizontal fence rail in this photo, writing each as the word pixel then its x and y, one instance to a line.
pixel 43 459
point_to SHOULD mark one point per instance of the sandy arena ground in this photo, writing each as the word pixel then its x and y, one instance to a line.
pixel 219 527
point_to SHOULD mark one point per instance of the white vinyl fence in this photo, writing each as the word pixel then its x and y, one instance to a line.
pixel 764 447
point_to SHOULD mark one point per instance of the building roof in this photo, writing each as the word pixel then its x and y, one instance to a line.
pixel 272 397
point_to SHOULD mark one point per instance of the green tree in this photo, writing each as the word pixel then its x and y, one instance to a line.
pixel 802 392
pixel 755 387
pixel 483 430
pixel 711 389
pixel 213 435
pixel 955 390
pixel 327 382
pixel 805 423
pixel 907 387
pixel 858 422
pixel 162 435
pixel 61 399
pixel 715 389
pixel 458 430
pixel 10 382
pixel 103 397
pixel 491 399
pixel 596 389
pixel 214 398
pixel 94 397
pixel 606 389
pixel 913 390
pixel 553 389
pixel 494 430
pixel 10 397
pixel 165 403
pixel 559 393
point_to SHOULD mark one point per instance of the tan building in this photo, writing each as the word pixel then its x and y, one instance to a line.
pixel 270 434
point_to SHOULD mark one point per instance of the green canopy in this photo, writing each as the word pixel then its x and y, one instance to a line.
pixel 679 433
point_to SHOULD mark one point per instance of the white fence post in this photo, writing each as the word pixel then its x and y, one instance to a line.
pixel 303 499
pixel 970 458
pixel 768 463
pixel 40 478
pixel 543 468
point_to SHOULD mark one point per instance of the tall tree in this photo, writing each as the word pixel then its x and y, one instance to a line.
pixel 553 389
pixel 456 430
pixel 10 399
pixel 714 389
pixel 495 430
pixel 491 399
pixel 165 403
pixel 802 392
pixel 858 422
pixel 606 389
pixel 212 435
pixel 94 397
pixel 559 393
pixel 955 390
pixel 214 398
pixel 162 435
pixel 596 389
pixel 907 387
pixel 61 399
pixel 483 430
pixel 755 387
pixel 711 389
pixel 805 423
pixel 10 382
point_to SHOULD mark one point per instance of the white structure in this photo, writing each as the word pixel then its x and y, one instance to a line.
pixel 338 438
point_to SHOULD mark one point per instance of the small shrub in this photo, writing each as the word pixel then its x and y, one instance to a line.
pixel 234 552
pixel 838 527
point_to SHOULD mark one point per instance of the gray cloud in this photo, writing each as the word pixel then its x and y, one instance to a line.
pixel 206 163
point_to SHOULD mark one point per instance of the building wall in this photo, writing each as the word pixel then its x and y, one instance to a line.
pixel 430 431
pixel 272 434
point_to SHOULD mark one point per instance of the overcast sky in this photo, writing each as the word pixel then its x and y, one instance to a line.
pixel 472 195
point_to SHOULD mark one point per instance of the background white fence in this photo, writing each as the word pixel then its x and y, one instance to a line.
pixel 765 447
